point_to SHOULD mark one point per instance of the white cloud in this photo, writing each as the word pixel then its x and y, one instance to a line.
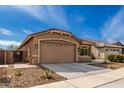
pixel 113 29
pixel 5 32
pixel 7 42
pixel 27 31
pixel 58 14
pixel 79 19
pixel 47 14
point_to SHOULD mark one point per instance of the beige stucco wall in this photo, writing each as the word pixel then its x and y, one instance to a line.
pixel 95 52
pixel 84 58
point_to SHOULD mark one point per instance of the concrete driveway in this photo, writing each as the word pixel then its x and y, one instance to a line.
pixel 110 79
pixel 74 70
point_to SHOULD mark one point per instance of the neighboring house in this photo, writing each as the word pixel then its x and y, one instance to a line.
pixel 55 46
pixel 101 50
pixel 120 44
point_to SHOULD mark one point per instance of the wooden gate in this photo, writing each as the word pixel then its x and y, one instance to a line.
pixel 1 57
pixel 10 57
pixel 18 56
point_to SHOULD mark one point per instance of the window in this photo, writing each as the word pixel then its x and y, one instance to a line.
pixel 117 50
pixel 83 51
pixel 107 49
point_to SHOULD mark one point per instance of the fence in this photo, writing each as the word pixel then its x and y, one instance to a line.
pixel 9 57
pixel 1 57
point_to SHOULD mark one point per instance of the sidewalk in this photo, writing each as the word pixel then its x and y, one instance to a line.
pixel 19 65
pixel 91 81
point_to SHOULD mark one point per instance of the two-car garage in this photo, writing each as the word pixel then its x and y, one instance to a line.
pixel 57 52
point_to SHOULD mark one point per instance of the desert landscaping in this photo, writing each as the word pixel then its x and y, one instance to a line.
pixel 29 77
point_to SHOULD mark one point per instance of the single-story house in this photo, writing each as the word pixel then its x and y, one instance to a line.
pixel 120 44
pixel 101 49
pixel 55 46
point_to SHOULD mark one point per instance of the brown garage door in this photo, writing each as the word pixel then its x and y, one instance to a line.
pixel 56 52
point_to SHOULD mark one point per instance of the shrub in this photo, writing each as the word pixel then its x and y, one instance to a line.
pixel 116 58
pixel 111 58
pixel 48 74
pixel 18 73
pixel 119 58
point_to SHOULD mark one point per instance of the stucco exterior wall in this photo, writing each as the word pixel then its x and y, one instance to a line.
pixel 27 45
pixel 95 52
pixel 84 58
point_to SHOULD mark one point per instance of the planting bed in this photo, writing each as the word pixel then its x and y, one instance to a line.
pixel 28 77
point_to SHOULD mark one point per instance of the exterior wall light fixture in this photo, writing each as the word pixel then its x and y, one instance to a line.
pixel 36 46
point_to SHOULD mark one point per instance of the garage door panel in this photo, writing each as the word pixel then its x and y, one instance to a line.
pixel 57 52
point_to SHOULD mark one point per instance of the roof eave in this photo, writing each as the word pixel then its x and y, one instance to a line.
pixel 109 47
pixel 34 34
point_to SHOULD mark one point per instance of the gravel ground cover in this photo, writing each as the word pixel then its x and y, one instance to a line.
pixel 28 77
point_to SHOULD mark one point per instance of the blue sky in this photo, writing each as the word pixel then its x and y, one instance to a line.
pixel 86 22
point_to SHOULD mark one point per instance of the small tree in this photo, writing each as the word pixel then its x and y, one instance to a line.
pixel 116 58
pixel 12 47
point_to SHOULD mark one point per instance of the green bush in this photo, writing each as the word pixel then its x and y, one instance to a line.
pixel 111 58
pixel 18 73
pixel 119 58
pixel 116 58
